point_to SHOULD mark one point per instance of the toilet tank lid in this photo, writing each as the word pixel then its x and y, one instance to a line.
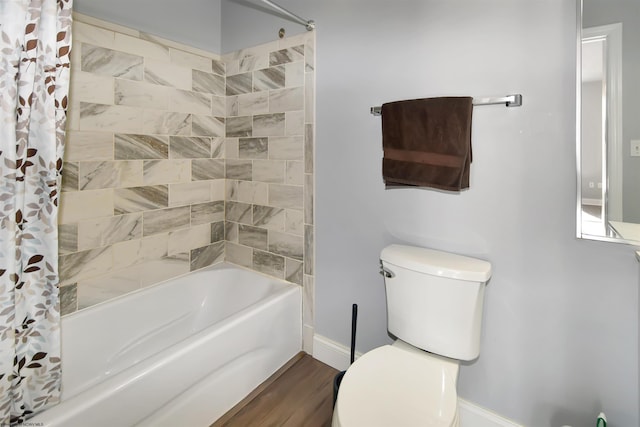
pixel 437 263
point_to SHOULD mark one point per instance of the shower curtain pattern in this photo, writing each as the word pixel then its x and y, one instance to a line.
pixel 35 42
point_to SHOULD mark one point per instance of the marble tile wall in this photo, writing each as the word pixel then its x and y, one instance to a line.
pixel 144 173
pixel 177 159
pixel 269 220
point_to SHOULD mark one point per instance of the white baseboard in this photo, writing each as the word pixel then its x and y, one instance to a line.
pixel 337 355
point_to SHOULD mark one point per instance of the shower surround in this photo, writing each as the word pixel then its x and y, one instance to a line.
pixel 178 159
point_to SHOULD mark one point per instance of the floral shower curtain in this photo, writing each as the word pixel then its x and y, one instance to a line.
pixel 35 42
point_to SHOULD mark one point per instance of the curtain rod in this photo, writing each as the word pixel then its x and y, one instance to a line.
pixel 310 25
pixel 509 101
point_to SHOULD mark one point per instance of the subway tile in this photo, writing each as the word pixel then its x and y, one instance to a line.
pixel 67 238
pixel 190 60
pixel 269 124
pixel 80 205
pixel 93 291
pixel 70 176
pixel 110 62
pixel 239 126
pixel 155 247
pixel 156 271
pixel 238 212
pixel 294 123
pixel 93 146
pixel 218 106
pixel 107 231
pixel 92 35
pixel 232 66
pixel 284 56
pixel 286 99
pixel 238 84
pixel 253 148
pixel 208 83
pixel 309 260
pixel 85 264
pixel 253 192
pixel 269 217
pixel 294 173
pixel 237 254
pixel 113 118
pixel 293 271
pixel 90 87
pixel 218 148
pixel 268 263
pixel 207 255
pixel 308 199
pixel 238 169
pixel 68 299
pixel 231 109
pixel 253 62
pixel 255 237
pixel 207 126
pixel 141 94
pixel 138 199
pixel 308 148
pixel 218 67
pixel 294 74
pixel 294 222
pixel 308 293
pixel 231 231
pixel 231 148
pixel 309 56
pixel 251 104
pixel 167 74
pixel 269 78
pixel 184 101
pixel 185 240
pixel 285 196
pixel 166 123
pixel 217 231
pixel 309 98
pixel 218 189
pixel 189 193
pixel 231 190
pixel 205 213
pixel 166 220
pixel 144 48
pixel 98 175
pixel 182 147
pixel 272 171
pixel 127 253
pixel 288 245
pixel 131 146
pixel 166 171
pixel 205 169
pixel 286 148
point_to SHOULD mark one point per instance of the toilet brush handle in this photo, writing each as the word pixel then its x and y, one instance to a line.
pixel 354 321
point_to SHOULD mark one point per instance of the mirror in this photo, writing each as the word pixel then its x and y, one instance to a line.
pixel 608 120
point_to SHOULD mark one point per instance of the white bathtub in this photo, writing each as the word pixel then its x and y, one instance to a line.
pixel 180 353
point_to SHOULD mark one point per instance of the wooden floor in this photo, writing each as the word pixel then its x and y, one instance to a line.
pixel 299 394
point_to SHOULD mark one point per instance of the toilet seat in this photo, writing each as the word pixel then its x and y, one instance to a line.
pixel 398 386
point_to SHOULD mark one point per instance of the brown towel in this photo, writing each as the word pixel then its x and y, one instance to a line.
pixel 427 142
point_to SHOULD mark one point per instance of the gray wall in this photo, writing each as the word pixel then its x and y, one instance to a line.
pixel 598 12
pixel 192 22
pixel 560 336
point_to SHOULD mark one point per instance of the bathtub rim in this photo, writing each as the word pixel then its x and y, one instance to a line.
pixel 166 282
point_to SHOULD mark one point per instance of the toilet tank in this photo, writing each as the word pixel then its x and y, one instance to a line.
pixel 435 299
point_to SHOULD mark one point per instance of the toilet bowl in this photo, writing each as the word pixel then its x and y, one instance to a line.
pixel 398 386
pixel 434 308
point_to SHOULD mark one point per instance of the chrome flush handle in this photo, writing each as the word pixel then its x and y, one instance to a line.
pixel 386 272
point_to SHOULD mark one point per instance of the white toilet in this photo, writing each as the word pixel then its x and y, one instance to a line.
pixel 434 309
